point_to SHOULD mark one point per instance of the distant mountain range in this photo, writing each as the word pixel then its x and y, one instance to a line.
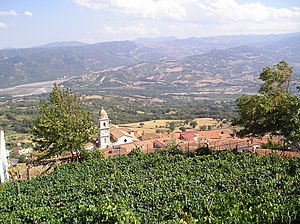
pixel 223 63
pixel 63 44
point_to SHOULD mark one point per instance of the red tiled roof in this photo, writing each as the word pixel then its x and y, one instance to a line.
pixel 188 135
pixel 211 134
pixel 146 136
pixel 117 133
pixel 159 144
pixel 126 129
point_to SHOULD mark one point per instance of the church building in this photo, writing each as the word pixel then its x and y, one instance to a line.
pixel 111 135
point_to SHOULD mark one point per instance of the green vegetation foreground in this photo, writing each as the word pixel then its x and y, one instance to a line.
pixel 166 186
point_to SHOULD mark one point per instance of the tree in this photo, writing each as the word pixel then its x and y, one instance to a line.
pixel 172 126
pixel 274 110
pixel 193 124
pixel 182 128
pixel 62 124
pixel 203 127
pixel 186 122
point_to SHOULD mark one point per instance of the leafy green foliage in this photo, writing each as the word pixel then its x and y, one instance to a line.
pixel 203 127
pixel 193 124
pixel 182 128
pixel 271 145
pixel 160 188
pixel 201 151
pixel 16 115
pixel 90 154
pixel 136 152
pixel 275 109
pixel 172 126
pixel 62 124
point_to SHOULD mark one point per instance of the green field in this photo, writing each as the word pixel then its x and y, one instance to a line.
pixel 162 187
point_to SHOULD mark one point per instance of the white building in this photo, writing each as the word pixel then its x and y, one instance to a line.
pixel 103 130
pixel 119 137
pixel 3 159
pixel 111 135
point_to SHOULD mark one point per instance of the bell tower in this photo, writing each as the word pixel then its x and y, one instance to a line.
pixel 103 130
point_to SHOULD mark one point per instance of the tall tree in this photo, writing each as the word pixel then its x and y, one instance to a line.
pixel 274 110
pixel 172 126
pixel 193 124
pixel 62 124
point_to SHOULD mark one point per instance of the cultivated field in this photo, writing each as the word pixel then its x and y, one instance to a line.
pixel 151 126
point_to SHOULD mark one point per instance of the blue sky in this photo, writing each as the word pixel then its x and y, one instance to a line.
pixel 26 23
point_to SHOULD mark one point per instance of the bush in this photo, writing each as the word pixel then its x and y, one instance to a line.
pixel 182 129
pixel 204 150
pixel 90 154
pixel 172 149
pixel 136 152
pixel 271 145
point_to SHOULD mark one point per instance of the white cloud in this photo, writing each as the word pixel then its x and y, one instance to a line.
pixel 3 25
pixel 140 30
pixel 188 9
pixel 28 13
pixel 221 15
pixel 8 13
pixel 142 8
pixel 92 4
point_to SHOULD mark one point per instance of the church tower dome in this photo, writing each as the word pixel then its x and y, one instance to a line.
pixel 103 113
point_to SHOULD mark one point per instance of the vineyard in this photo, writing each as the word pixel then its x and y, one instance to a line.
pixel 163 187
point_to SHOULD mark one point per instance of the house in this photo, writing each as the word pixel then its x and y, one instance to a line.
pixel 117 136
pixel 3 159
pixel 187 135
pixel 128 130
pixel 146 136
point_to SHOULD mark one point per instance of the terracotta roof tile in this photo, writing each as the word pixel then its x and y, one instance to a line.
pixel 146 136
pixel 116 132
pixel 188 135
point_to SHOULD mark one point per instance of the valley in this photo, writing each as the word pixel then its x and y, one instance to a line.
pixel 205 66
pixel 145 79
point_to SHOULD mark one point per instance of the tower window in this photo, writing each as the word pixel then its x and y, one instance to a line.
pixel 104 124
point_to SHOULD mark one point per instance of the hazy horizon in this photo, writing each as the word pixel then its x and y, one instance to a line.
pixel 33 23
pixel 137 38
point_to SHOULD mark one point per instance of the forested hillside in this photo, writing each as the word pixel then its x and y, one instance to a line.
pixel 199 64
pixel 19 66
pixel 162 187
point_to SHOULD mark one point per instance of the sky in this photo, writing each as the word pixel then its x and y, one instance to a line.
pixel 28 23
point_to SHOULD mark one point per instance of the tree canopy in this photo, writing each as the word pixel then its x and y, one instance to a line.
pixel 274 110
pixel 62 124
pixel 193 124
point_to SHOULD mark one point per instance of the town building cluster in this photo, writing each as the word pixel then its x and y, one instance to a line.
pixel 115 140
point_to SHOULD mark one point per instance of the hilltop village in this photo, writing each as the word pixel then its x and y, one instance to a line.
pixel 115 140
